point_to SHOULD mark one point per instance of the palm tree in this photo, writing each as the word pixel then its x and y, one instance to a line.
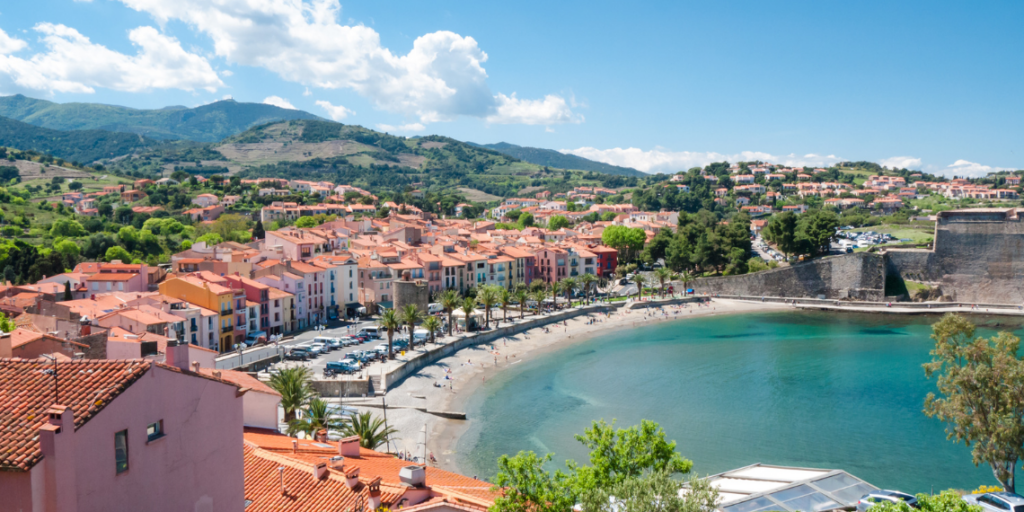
pixel 588 281
pixel 505 297
pixel 569 286
pixel 538 296
pixel 432 324
pixel 468 307
pixel 390 321
pixel 450 301
pixel 639 279
pixel 663 275
pixel 293 384
pixel 371 431
pixel 555 287
pixel 410 315
pixel 520 296
pixel 315 417
pixel 487 296
pixel 685 276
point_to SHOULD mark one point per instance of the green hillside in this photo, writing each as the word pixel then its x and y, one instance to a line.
pixel 77 146
pixel 207 123
pixel 552 158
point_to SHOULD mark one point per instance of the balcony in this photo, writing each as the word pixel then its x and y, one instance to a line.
pixel 227 329
pixel 226 312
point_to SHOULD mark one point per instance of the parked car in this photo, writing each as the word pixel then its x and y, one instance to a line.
pixel 317 348
pixel 354 363
pixel 381 349
pixel 296 355
pixel 884 496
pixel 336 343
pixel 341 366
pixel 997 501
pixel 372 332
pixel 325 341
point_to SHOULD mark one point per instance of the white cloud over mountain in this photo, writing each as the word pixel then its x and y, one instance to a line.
pixel 408 127
pixel 661 160
pixel 278 101
pixel 73 63
pixel 335 112
pixel 901 162
pixel 441 78
pixel 969 169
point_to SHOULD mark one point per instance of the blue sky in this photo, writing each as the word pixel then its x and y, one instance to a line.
pixel 659 86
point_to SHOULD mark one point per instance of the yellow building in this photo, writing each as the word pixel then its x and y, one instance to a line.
pixel 211 296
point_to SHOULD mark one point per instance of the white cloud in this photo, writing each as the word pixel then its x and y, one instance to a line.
pixel 73 63
pixel 278 101
pixel 660 160
pixel 441 78
pixel 335 112
pixel 901 162
pixel 10 44
pixel 409 127
pixel 969 169
pixel 226 72
pixel 550 110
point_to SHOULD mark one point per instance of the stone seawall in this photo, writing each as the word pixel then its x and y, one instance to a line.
pixel 858 276
pixel 979 256
pixel 397 375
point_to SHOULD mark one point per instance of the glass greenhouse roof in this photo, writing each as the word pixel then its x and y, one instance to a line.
pixel 761 488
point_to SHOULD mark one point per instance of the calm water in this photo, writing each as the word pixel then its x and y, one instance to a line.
pixel 802 389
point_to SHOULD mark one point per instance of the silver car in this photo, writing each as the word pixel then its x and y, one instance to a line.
pixel 884 496
pixel 997 501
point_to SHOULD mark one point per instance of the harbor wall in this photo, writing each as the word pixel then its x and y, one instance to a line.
pixel 432 355
pixel 859 276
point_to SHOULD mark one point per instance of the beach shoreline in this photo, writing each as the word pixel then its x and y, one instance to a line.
pixel 462 374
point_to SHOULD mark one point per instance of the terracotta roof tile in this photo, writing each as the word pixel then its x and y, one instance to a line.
pixel 26 392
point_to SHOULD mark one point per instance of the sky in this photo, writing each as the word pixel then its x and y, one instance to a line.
pixel 658 86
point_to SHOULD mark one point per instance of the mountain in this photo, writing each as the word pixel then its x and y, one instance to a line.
pixel 552 158
pixel 76 146
pixel 206 123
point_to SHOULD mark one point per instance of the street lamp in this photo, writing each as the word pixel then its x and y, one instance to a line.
pixel 238 348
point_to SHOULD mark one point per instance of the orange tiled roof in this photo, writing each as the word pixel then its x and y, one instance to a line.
pixel 26 393
pixel 240 379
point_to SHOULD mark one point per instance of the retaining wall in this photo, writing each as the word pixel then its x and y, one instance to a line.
pixel 849 276
pixel 432 355
pixel 340 388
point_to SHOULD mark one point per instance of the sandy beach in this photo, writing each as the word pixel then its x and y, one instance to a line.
pixel 463 372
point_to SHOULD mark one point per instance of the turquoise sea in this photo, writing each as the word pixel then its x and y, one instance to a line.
pixel 823 390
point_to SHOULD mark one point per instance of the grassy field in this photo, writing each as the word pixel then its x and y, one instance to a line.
pixel 473 194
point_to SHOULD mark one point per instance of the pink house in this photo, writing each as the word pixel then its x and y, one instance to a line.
pixel 120 435
pixel 118 277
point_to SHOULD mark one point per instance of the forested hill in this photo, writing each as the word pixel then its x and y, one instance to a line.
pixel 552 158
pixel 206 123
pixel 83 146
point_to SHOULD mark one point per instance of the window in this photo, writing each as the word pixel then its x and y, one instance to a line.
pixel 120 286
pixel 155 431
pixel 121 451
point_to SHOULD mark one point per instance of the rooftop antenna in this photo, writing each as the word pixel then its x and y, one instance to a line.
pixel 56 390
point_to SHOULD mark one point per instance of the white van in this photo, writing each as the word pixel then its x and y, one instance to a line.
pixel 372 331
pixel 434 308
pixel 421 335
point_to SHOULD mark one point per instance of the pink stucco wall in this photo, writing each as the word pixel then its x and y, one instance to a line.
pixel 196 466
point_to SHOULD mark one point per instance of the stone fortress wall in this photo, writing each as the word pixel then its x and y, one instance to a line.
pixel 977 256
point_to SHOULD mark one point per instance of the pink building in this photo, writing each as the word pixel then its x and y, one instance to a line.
pixel 119 435
pixel 118 277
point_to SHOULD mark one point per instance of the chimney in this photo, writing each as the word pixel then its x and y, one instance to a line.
pixel 349 446
pixel 57 442
pixel 338 462
pixel 320 471
pixel 373 499
pixel 295 446
pixel 280 472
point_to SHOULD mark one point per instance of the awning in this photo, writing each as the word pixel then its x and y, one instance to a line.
pixel 386 305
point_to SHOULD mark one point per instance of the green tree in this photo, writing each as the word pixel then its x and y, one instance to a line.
pixel 946 501
pixel 371 430
pixel 640 280
pixel 295 389
pixel 315 417
pixel 468 307
pixel 657 248
pixel 432 325
pixel 67 228
pixel 67 248
pixel 488 297
pixel 450 301
pixel 6 324
pixel 390 321
pixel 411 315
pixel 520 296
pixel 306 222
pixel 525 220
pixel 557 222
pixel 505 298
pixel 817 230
pixel 211 239
pixel 616 455
pixel 538 296
pixel 781 230
pixel 67 290
pixel 663 275
pixel 654 492
pixel 981 394
pixel 526 487
pixel 587 282
pixel 117 253
pixel 258 232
